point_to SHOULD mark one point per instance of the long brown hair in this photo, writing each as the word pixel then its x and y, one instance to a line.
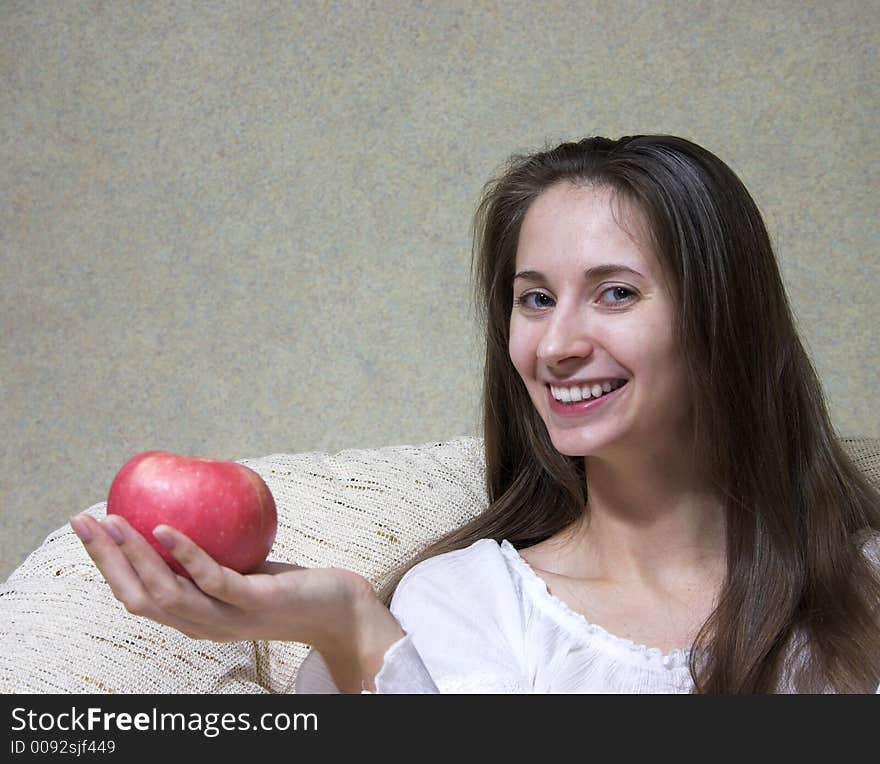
pixel 799 606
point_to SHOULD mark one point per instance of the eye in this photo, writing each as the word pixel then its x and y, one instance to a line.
pixel 617 295
pixel 534 301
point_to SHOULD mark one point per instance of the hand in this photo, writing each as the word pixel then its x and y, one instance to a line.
pixel 323 607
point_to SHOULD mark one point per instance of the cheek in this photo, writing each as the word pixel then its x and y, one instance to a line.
pixel 521 347
pixel 661 361
pixel 643 344
pixel 518 349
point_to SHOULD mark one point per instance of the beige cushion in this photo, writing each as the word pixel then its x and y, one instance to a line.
pixel 62 631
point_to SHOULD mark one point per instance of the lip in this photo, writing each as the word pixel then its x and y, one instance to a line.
pixel 582 407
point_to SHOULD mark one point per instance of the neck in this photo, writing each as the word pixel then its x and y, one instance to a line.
pixel 650 518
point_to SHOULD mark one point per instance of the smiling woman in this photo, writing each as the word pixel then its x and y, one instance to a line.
pixel 669 509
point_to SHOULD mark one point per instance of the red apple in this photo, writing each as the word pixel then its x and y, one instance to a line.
pixel 224 507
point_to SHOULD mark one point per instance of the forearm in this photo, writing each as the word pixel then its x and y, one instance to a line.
pixel 355 660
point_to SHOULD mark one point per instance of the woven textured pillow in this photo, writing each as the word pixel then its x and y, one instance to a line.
pixel 62 631
pixel 367 510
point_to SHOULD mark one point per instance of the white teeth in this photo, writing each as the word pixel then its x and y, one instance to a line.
pixel 585 392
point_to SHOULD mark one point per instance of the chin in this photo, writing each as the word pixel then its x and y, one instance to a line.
pixel 573 446
pixel 583 443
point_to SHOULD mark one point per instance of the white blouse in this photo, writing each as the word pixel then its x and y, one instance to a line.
pixel 481 620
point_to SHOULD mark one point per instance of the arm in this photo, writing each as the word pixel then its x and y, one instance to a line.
pixel 332 609
pixel 464 631
pixel 354 668
pixel 403 671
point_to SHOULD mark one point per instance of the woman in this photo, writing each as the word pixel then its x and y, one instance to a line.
pixel 670 510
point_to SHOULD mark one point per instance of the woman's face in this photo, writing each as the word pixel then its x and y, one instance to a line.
pixel 591 330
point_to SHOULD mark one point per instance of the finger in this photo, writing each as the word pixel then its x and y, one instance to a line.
pixel 154 572
pixel 111 562
pixel 273 568
pixel 102 543
pixel 155 590
pixel 221 583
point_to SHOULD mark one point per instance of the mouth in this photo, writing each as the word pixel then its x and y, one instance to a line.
pixel 573 394
pixel 577 400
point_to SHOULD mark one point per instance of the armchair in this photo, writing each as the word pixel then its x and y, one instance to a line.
pixel 61 630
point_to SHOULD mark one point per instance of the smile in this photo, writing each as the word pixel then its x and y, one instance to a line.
pixel 579 393
pixel 591 397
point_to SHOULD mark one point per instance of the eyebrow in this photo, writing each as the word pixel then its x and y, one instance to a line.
pixel 596 272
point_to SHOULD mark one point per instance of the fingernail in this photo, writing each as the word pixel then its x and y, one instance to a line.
pixel 81 529
pixel 166 538
pixel 113 530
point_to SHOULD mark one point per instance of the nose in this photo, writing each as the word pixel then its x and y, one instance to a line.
pixel 566 338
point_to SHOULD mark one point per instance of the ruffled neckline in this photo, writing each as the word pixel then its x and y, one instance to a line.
pixel 677 658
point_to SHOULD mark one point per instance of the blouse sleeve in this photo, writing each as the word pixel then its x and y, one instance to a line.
pixel 403 671
pixel 463 626
pixel 465 621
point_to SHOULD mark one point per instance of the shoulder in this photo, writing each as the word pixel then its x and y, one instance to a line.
pixel 464 612
pixel 482 559
pixel 476 580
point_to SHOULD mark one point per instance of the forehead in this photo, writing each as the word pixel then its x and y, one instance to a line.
pixel 577 226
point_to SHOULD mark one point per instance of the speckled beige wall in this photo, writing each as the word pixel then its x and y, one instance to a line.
pixel 234 228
